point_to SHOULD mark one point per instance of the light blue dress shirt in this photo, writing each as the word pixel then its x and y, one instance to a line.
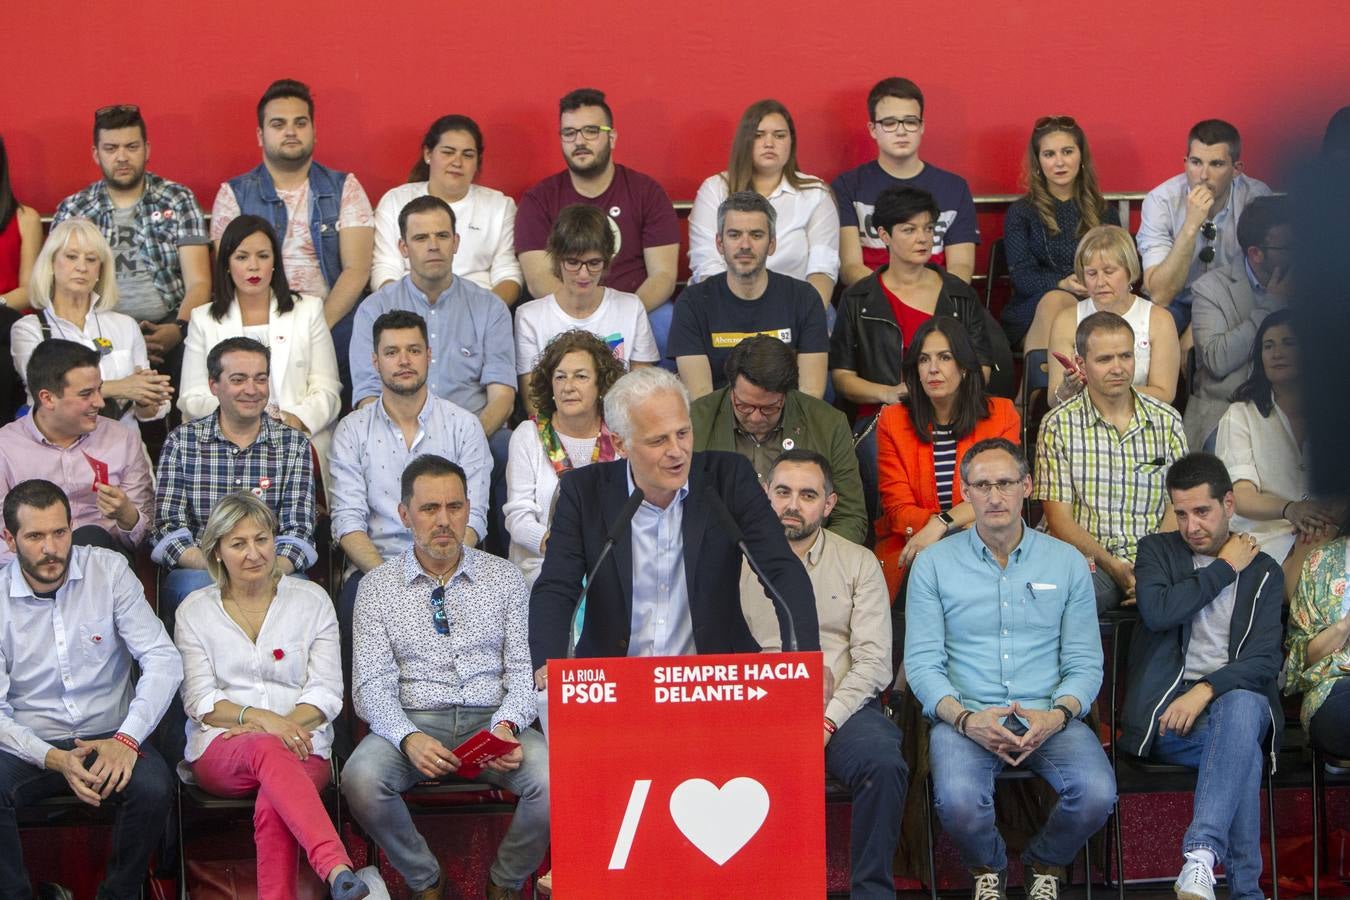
pixel 468 335
pixel 989 636
pixel 368 457
pixel 65 663
pixel 661 625
pixel 1164 213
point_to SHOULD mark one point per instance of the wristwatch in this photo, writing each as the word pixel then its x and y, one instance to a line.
pixel 946 518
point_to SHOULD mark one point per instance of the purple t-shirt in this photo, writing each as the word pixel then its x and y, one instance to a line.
pixel 856 192
pixel 639 212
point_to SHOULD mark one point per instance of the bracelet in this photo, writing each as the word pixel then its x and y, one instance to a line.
pixel 1068 714
pixel 241 713
pixel 129 741
pixel 830 726
pixel 960 723
pixel 510 726
pixel 1284 513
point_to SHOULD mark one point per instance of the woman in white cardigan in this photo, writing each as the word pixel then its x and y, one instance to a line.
pixel 251 298
pixel 485 219
pixel 567 387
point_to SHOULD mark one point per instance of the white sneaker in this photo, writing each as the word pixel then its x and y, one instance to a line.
pixel 1043 887
pixel 1196 881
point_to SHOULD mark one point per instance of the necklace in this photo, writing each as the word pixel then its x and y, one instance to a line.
pixel 253 631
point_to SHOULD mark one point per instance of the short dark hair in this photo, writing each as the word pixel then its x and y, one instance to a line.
pixel 285 88
pixel 585 97
pixel 1257 389
pixel 802 455
pixel 1098 321
pixel 900 204
pixel 577 229
pixel 994 443
pixel 428 464
pixel 748 202
pixel 899 88
pixel 1259 216
pixel 764 361
pixel 1197 468
pixel 396 319
pixel 222 287
pixel 125 115
pixel 51 360
pixel 1216 131
pixel 423 204
pixel 35 492
pixel 215 364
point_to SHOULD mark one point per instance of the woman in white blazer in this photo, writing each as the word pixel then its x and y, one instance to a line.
pixel 251 298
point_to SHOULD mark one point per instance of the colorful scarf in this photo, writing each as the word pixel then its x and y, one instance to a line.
pixel 557 454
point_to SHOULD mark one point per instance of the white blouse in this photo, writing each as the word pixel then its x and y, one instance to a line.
pixel 531 489
pixel 295 660
pixel 807 229
pixel 125 353
pixel 1262 450
pixel 485 221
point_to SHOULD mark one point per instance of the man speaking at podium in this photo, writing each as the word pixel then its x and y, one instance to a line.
pixel 667 583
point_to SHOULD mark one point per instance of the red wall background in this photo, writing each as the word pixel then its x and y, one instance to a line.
pixel 678 75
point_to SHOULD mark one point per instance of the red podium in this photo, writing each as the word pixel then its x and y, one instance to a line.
pixel 689 776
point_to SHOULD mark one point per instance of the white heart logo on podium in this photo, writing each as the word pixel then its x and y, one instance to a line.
pixel 719 821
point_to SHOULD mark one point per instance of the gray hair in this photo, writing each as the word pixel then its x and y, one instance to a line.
pixel 995 443
pixel 229 512
pixel 635 388
pixel 747 202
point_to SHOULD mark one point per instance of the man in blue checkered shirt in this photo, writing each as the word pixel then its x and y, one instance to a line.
pixel 240 447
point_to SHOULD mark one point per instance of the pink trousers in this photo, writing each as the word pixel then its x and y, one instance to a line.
pixel 288 812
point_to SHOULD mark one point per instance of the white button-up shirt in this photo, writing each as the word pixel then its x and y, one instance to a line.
pixel 295 660
pixel 65 662
pixel 807 228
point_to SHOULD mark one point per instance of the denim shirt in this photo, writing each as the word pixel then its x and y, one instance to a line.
pixel 257 196
pixel 989 636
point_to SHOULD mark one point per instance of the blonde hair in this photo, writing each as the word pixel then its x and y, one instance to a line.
pixel 1111 240
pixel 42 284
pixel 229 512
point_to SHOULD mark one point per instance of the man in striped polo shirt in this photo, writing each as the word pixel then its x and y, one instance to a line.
pixel 1102 458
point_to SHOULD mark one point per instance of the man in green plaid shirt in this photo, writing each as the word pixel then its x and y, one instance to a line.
pixel 1102 458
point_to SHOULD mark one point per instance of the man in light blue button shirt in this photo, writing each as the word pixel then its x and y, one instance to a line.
pixel 1004 654
pixel 473 350
pixel 1188 224
pixel 72 621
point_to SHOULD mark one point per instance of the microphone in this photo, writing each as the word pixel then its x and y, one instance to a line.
pixel 615 532
pixel 738 536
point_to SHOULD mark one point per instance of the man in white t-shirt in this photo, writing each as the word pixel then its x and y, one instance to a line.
pixel 321 215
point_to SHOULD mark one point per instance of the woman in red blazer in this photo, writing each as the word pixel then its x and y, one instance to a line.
pixel 920 443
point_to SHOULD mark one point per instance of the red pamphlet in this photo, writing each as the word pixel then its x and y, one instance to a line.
pixel 479 749
pixel 100 471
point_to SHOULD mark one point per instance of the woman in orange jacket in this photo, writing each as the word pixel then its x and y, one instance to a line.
pixel 920 443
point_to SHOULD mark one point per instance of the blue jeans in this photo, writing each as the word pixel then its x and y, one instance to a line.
pixel 661 319
pixel 142 814
pixel 865 755
pixel 1227 750
pixel 1071 762
pixel 378 773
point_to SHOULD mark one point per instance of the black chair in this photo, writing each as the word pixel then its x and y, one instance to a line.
pixel 998 271
pixel 1326 770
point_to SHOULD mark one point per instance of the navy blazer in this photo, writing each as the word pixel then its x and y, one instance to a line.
pixel 589 501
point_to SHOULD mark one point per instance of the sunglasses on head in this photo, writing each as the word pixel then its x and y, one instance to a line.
pixel 1045 122
pixel 1208 231
pixel 438 615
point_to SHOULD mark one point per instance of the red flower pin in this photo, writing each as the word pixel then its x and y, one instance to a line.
pixel 278 653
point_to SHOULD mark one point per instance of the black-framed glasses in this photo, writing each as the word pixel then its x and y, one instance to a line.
pixel 589 132
pixel 891 123
pixel 768 410
pixel 1209 231
pixel 438 614
pixel 1053 122
pixel 1004 487
pixel 572 264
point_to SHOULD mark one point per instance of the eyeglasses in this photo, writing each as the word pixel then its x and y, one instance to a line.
pixel 891 123
pixel 589 132
pixel 1209 231
pixel 1006 488
pixel 438 614
pixel 768 411
pixel 1048 122
pixel 572 264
